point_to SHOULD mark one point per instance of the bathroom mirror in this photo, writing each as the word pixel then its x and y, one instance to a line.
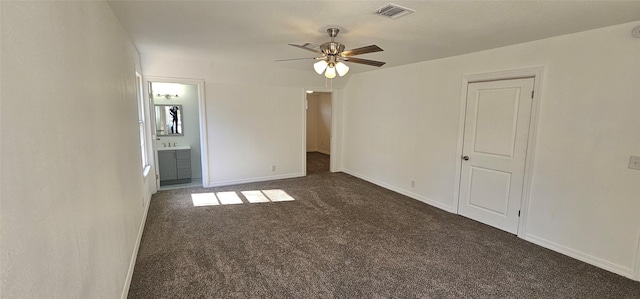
pixel 169 120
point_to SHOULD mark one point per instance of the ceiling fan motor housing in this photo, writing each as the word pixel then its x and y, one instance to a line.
pixel 332 48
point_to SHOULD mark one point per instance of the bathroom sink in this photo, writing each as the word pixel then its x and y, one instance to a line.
pixel 177 147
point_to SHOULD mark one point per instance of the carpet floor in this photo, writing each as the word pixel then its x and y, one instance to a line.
pixel 331 235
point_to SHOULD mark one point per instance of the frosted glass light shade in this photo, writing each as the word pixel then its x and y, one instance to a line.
pixel 342 68
pixel 330 73
pixel 320 66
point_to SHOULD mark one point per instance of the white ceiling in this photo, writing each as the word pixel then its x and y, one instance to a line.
pixel 258 32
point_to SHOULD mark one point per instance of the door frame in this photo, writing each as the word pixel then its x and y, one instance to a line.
pixel 534 72
pixel 204 153
pixel 637 274
pixel 334 146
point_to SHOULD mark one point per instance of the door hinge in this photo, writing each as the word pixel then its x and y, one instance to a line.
pixel 156 176
pixel 518 213
pixel 532 94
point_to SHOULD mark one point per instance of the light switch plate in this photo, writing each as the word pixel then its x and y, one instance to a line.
pixel 634 162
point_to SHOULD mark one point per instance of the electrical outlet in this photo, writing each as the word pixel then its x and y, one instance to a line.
pixel 634 162
pixel 413 184
pixel 273 168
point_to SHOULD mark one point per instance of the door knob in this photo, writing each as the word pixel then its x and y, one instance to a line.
pixel 466 158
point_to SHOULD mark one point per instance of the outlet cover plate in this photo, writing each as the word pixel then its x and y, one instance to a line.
pixel 634 162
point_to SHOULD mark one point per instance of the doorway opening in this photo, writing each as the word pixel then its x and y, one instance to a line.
pixel 176 118
pixel 319 118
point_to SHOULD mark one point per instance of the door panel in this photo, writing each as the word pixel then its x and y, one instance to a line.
pixel 490 190
pixel 495 141
pixel 496 121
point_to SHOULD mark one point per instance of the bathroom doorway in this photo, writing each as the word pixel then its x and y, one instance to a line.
pixel 177 127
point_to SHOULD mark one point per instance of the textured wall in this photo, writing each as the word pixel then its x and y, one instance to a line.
pixel 324 124
pixel 72 185
pixel 312 122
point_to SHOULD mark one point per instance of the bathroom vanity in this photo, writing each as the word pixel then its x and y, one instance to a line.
pixel 175 165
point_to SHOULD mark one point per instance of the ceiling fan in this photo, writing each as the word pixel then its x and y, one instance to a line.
pixel 333 54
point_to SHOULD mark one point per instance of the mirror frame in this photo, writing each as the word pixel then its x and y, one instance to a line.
pixel 163 120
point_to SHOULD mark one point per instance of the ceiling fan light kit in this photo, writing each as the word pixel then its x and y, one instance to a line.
pixel 342 68
pixel 330 73
pixel 320 66
pixel 333 54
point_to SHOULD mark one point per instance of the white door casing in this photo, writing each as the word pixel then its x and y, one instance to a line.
pixel 202 116
pixel 496 131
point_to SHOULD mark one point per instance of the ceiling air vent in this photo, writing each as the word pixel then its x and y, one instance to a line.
pixel 393 11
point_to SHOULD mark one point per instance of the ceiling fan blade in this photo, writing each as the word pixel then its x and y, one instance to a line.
pixel 362 50
pixel 364 61
pixel 306 47
pixel 289 59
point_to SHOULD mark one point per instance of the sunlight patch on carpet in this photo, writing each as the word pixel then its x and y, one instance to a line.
pixel 277 195
pixel 229 198
pixel 204 199
pixel 255 196
pixel 233 198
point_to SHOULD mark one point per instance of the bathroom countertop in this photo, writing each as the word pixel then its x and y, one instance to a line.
pixel 177 147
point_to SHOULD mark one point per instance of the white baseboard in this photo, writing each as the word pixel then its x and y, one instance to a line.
pixel 401 191
pixel 134 255
pixel 319 151
pixel 581 256
pixel 323 152
pixel 253 180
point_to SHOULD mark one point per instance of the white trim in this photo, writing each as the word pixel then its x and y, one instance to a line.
pixel 579 255
pixel 334 142
pixel 145 171
pixel 305 110
pixel 202 114
pixel 253 180
pixel 637 277
pixel 534 72
pixel 134 254
pixel 415 196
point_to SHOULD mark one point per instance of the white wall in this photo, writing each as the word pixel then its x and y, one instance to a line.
pixel 319 123
pixel 401 124
pixel 255 115
pixel 72 185
pixel 190 123
pixel 312 122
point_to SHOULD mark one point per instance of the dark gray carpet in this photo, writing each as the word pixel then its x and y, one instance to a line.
pixel 343 237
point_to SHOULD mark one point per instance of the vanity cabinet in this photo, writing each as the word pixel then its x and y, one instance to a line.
pixel 175 166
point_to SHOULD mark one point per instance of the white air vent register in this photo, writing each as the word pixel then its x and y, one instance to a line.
pixel 393 11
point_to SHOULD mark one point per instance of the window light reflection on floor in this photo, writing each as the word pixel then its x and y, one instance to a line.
pixel 233 198
pixel 204 199
pixel 277 195
pixel 229 198
pixel 255 196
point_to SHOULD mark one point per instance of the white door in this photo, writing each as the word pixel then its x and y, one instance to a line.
pixel 496 132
